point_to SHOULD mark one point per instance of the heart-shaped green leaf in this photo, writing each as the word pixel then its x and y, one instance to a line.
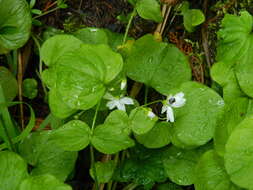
pixel 15 24
pixel 157 64
pixel 149 9
pixel 72 136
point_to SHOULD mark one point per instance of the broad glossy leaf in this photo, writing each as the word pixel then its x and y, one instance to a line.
pixel 149 9
pixel 195 122
pixel 13 170
pixel 58 45
pixel 8 83
pixel 235 112
pixel 43 182
pixel 15 24
pixel 239 154
pixel 72 136
pixel 140 121
pixel 157 137
pixel 110 139
pixel 235 47
pixel 179 164
pixel 159 65
pixel 211 174
pixel 104 171
pixel 92 35
pixel 46 157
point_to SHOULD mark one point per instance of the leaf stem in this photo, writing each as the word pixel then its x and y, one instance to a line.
pixel 92 157
pixel 146 95
pixel 47 12
pixel 128 25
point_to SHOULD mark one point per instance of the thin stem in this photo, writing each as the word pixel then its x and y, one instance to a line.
pixel 6 137
pixel 154 102
pixel 146 95
pixel 128 25
pixel 47 12
pixel 20 89
pixel 92 157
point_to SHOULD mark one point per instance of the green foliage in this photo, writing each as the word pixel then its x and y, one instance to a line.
pixel 15 24
pixel 211 174
pixel 46 157
pixel 157 64
pixel 8 84
pixel 238 155
pixel 13 170
pixel 30 88
pixel 144 167
pixel 43 182
pixel 180 164
pixel 157 137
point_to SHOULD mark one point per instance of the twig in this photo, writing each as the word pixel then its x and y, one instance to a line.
pixel 20 80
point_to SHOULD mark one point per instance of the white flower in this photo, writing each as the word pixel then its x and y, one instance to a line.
pixel 118 102
pixel 173 102
pixel 151 115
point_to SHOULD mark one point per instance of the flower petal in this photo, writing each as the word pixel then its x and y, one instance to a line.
pixel 180 100
pixel 111 104
pixel 170 114
pixel 127 101
pixel 120 106
pixel 164 109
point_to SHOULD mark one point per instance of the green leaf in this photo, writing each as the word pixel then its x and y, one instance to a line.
pixel 72 136
pixel 193 18
pixel 119 119
pixel 92 35
pixel 104 171
pixel 157 64
pixel 58 45
pixel 46 157
pixel 143 167
pixel 140 121
pixel 15 24
pixel 110 139
pixel 195 122
pixel 239 154
pixel 149 9
pixel 30 88
pixel 179 164
pixel 57 106
pixel 211 174
pixel 235 47
pixel 13 170
pixel 43 182
pixel 79 75
pixel 235 111
pixel 157 137
pixel 7 80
